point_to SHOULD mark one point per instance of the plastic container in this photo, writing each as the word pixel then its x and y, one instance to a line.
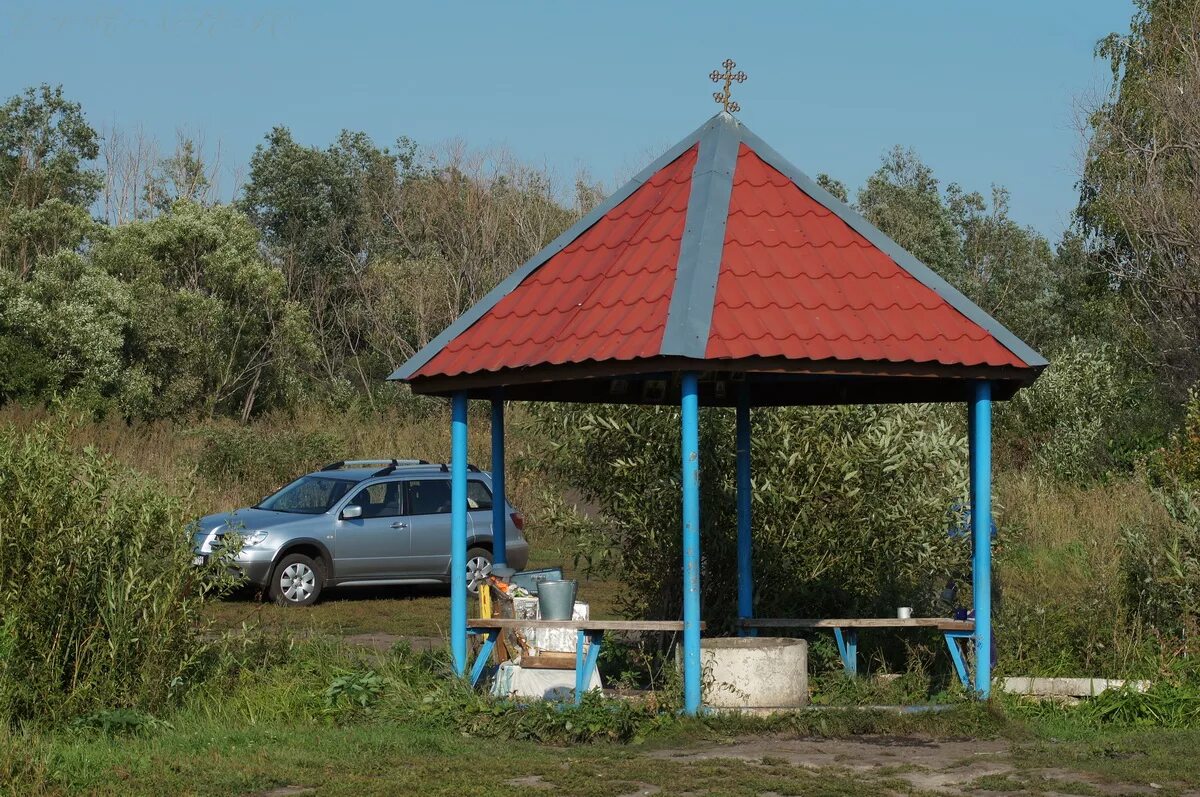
pixel 529 579
pixel 556 599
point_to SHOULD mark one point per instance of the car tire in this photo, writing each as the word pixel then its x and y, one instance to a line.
pixel 296 580
pixel 479 567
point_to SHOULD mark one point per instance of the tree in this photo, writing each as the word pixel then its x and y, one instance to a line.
pixel 211 327
pixel 1007 269
pixel 45 184
pixel 320 217
pixel 903 199
pixel 1140 192
pixel 73 315
pixel 314 206
pixel 833 186
pixel 385 248
pixel 184 175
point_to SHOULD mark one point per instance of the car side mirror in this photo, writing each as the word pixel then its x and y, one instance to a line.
pixel 351 511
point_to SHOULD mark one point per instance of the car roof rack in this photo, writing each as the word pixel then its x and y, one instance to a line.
pixel 471 468
pixel 389 464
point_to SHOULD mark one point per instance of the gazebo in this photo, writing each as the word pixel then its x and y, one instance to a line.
pixel 722 275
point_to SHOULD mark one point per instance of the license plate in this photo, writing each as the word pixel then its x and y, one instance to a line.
pixel 197 560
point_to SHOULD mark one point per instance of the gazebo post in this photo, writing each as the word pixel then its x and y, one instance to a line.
pixel 745 548
pixel 980 441
pixel 499 510
pixel 690 454
pixel 458 532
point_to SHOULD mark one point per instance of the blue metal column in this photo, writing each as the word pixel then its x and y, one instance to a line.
pixel 458 532
pixel 690 451
pixel 499 505
pixel 745 548
pixel 980 437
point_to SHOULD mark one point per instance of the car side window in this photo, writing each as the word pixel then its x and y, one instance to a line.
pixel 432 496
pixel 428 496
pixel 478 495
pixel 378 500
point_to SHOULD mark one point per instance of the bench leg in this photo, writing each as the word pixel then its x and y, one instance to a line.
pixel 585 664
pixel 956 656
pixel 847 642
pixel 485 651
pixel 580 638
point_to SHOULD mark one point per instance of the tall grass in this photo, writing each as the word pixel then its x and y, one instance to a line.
pixel 1062 606
pixel 100 602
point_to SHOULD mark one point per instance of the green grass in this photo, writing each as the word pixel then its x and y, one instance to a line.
pixel 334 719
pixel 394 759
pixel 212 757
pixel 1159 755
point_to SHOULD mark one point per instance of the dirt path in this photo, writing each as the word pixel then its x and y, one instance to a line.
pixel 944 767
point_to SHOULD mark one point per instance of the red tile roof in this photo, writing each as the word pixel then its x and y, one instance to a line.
pixel 797 281
pixel 605 296
pixel 723 251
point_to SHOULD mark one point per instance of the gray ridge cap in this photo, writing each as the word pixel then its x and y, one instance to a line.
pixel 920 272
pixel 689 316
pixel 506 286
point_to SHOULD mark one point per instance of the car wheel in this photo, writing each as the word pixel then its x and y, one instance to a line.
pixel 296 581
pixel 479 567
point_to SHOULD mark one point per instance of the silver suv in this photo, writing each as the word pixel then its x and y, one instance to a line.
pixel 361 522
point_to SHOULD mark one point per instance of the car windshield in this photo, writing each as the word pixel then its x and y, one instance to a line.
pixel 308 495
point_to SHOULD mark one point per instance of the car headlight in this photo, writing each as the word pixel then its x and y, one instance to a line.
pixel 255 538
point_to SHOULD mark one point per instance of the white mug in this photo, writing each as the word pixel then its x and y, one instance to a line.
pixel 904 613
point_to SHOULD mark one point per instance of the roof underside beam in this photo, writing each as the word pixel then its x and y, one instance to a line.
pixel 771 382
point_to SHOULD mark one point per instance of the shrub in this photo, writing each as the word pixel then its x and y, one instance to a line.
pixel 1179 459
pixel 1064 423
pixel 100 602
pixel 850 505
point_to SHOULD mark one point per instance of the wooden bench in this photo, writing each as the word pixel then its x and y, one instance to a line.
pixel 845 633
pixel 590 632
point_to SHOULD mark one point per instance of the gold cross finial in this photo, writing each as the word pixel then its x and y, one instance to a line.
pixel 728 76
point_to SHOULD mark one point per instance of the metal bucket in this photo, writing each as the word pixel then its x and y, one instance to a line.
pixel 556 599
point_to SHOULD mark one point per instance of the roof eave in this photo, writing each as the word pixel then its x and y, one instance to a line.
pixel 746 368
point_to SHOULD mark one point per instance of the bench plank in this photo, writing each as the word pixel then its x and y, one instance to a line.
pixel 580 625
pixel 940 623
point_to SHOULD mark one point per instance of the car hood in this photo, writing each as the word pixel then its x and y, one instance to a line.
pixel 248 519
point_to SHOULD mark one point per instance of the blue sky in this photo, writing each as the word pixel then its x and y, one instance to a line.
pixel 985 92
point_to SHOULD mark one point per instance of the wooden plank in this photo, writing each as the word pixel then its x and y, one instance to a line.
pixel 549 660
pixel 940 623
pixel 580 625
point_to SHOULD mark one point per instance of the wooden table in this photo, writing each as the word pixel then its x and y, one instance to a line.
pixel 845 633
pixel 590 632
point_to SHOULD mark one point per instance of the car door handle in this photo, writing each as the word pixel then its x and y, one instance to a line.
pixel 399 525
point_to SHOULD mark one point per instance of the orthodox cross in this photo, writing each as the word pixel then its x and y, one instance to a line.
pixel 729 76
